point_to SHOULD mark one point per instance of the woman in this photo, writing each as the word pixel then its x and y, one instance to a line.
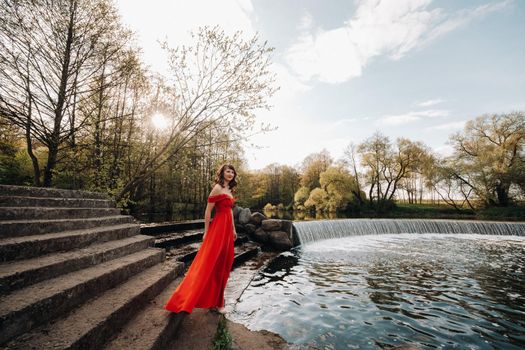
pixel 204 283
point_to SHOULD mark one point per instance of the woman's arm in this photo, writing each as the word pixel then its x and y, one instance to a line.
pixel 207 217
pixel 233 223
pixel 209 207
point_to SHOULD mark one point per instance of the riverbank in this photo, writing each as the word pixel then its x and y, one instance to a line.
pixel 411 211
pixel 198 329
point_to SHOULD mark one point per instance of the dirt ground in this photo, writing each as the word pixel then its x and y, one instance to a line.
pixel 198 329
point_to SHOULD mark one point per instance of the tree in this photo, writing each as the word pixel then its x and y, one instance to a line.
pixel 387 165
pixel 312 167
pixel 340 186
pixel 50 54
pixel 218 84
pixel 489 157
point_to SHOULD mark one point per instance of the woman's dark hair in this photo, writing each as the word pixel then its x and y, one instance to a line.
pixel 219 179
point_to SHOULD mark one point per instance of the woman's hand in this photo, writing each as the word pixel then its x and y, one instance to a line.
pixel 234 235
pixel 204 235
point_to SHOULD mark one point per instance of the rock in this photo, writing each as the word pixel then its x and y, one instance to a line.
pixel 240 228
pixel 260 235
pixel 236 211
pixel 250 228
pixel 257 218
pixel 271 225
pixel 244 216
pixel 286 226
pixel 279 240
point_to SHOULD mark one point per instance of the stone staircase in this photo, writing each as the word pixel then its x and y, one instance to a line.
pixel 75 274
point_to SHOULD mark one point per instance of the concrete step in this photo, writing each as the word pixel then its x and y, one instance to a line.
pixel 187 253
pixel 90 325
pixel 26 247
pixel 177 239
pixel 245 252
pixel 155 229
pixel 25 191
pixel 45 213
pixel 17 228
pixel 23 309
pixel 21 273
pixel 16 201
pixel 152 328
pixel 174 239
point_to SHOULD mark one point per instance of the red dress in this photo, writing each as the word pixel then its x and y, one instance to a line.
pixel 204 283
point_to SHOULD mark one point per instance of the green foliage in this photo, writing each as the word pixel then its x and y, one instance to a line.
pixel 317 200
pixel 12 167
pixel 301 196
pixel 269 206
pixel 312 167
pixel 222 339
pixel 489 158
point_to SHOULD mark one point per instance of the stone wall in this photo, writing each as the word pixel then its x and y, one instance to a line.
pixel 273 234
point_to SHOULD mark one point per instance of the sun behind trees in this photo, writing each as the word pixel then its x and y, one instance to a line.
pixel 74 87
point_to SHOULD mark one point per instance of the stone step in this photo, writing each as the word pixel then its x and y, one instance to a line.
pixel 17 228
pixel 23 309
pixel 174 239
pixel 93 323
pixel 45 213
pixel 25 191
pixel 187 253
pixel 155 229
pixel 21 273
pixel 245 252
pixel 16 201
pixel 152 328
pixel 26 247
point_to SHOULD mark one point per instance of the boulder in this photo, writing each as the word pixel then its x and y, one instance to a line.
pixel 279 240
pixel 236 211
pixel 271 225
pixel 286 226
pixel 260 235
pixel 250 228
pixel 244 216
pixel 257 218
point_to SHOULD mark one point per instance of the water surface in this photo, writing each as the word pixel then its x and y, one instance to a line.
pixel 374 292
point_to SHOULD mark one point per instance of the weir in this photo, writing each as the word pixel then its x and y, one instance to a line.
pixel 311 231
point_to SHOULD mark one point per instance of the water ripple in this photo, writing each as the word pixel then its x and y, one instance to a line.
pixel 370 292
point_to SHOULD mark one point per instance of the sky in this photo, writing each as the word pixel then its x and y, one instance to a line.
pixel 417 69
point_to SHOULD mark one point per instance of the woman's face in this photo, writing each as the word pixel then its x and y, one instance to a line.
pixel 229 174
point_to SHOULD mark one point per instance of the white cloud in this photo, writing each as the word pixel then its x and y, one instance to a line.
pixel 430 103
pixel 410 117
pixel 306 22
pixel 378 28
pixel 464 16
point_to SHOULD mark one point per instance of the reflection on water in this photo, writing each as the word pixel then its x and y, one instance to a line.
pixel 370 292
pixel 304 215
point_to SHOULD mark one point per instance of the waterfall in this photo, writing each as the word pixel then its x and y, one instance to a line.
pixel 310 231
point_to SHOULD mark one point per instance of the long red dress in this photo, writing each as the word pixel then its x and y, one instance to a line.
pixel 204 283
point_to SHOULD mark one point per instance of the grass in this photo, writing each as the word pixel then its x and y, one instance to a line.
pixel 222 339
pixel 432 211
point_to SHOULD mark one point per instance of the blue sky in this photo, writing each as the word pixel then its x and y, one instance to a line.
pixel 407 68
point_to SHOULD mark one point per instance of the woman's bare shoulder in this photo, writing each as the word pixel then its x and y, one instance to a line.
pixel 217 189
